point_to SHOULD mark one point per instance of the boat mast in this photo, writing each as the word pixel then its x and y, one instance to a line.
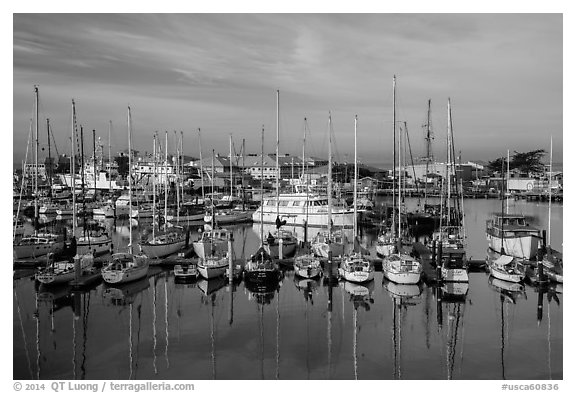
pixel 231 178
pixel 399 180
pixel 176 163
pixel 182 165
pixel 329 191
pixel 154 189
pixel 243 166
pixel 165 180
pixel 109 158
pixel 449 164
pixel 130 249
pixel 201 164
pixel 394 156
pixel 73 168
pixel 49 168
pixel 82 177
pixel 550 197
pixel 94 152
pixel 277 154
pixel 355 177
pixel 304 166
pixel 23 181
pixel 507 179
pixel 36 161
pixel 212 197
pixel 262 189
pixel 428 151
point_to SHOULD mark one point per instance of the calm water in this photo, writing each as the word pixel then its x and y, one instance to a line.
pixel 159 329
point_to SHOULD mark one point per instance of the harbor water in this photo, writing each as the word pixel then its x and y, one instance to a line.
pixel 159 328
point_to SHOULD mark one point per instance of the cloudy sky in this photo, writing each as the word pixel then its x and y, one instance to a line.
pixel 219 72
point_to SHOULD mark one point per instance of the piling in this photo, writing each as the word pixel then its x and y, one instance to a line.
pixel 439 306
pixel 305 232
pixel 230 259
pixel 329 263
pixel 77 268
pixel 433 251
pixel 439 263
pixel 540 304
pixel 187 237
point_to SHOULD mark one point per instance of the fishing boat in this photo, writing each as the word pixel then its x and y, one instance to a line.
pixel 228 216
pixel 307 266
pixel 355 268
pixel 324 242
pixel 261 268
pixel 511 235
pixel 211 242
pixel 281 242
pixel 212 266
pixel 507 268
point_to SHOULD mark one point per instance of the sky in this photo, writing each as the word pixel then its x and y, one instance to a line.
pixel 220 73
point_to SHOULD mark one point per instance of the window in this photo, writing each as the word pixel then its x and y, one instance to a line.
pixel 283 203
pixel 297 203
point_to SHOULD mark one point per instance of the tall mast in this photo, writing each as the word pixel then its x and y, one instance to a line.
pixel 177 170
pixel 36 160
pixel 355 177
pixel 49 167
pixel 166 179
pixel 507 179
pixel 154 189
pixel 182 165
pixel 428 153
pixel 262 189
pixel 201 164
pixel 329 191
pixel 212 198
pixel 304 165
pixel 243 166
pixel 394 155
pixel 82 177
pixel 277 153
pixel 94 152
pixel 73 168
pixel 449 163
pixel 550 196
pixel 231 178
pixel 399 181
pixel 130 249
pixel 109 158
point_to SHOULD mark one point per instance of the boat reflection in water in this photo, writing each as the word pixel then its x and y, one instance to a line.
pixel 122 295
pixel 361 298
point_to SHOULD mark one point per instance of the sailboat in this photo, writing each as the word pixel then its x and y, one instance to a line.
pixel 306 265
pixel 388 239
pixel 261 267
pixel 38 244
pixel 214 240
pixel 354 267
pixel 171 240
pixel 451 235
pixel 126 266
pixel 330 241
pixel 399 266
pixel 282 243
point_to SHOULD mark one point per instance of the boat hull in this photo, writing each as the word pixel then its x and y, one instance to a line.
pixel 97 247
pixel 316 220
pixel 454 275
pixel 307 271
pixel 261 276
pixel 288 249
pixel 321 249
pixel 124 276
pixel 37 250
pixel 357 276
pixel 211 272
pixel 161 250
pixel 504 276
pixel 204 249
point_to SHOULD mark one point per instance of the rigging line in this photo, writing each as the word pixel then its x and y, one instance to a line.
pixel 166 321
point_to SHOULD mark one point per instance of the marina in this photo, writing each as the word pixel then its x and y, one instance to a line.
pixel 288 197
pixel 167 328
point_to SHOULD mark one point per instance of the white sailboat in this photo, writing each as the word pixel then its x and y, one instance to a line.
pixel 354 267
pixel 171 241
pixel 126 267
pixel 400 267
